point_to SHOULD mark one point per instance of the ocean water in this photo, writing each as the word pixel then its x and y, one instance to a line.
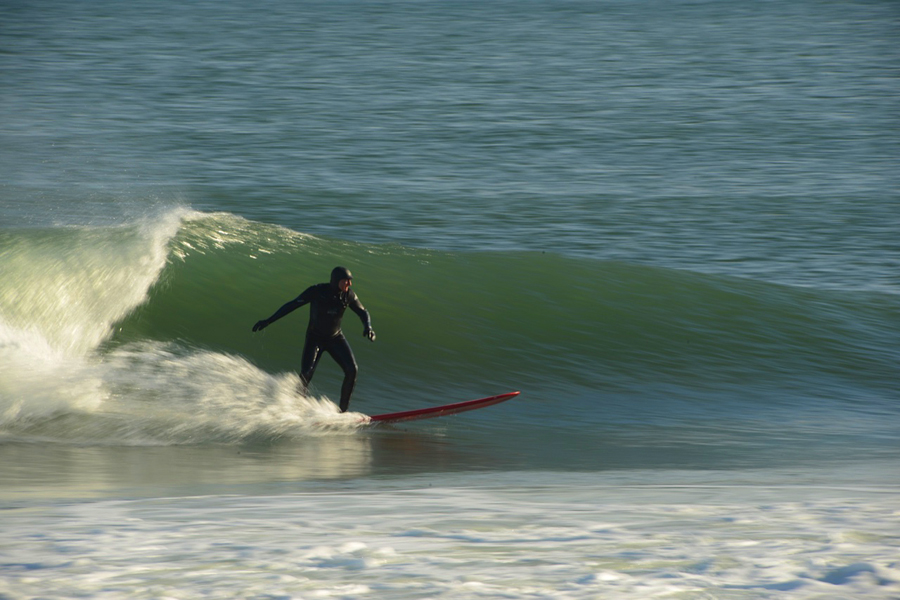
pixel 672 225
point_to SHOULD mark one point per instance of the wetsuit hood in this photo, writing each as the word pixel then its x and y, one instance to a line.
pixel 339 273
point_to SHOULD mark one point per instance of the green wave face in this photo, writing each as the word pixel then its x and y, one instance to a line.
pixel 464 320
pixel 144 333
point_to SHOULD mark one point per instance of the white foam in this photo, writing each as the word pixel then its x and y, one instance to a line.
pixel 201 396
pixel 505 541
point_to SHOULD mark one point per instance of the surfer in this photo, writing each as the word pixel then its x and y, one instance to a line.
pixel 327 303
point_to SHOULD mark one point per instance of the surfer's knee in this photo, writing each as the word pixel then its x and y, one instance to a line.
pixel 347 362
pixel 351 370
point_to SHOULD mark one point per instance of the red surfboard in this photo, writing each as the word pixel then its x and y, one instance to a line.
pixel 440 411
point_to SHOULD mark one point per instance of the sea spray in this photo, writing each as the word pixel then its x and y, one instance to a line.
pixel 70 285
pixel 177 395
pixel 61 292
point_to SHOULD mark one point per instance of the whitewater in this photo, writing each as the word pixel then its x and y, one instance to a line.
pixel 557 537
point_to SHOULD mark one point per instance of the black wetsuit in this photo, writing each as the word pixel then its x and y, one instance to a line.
pixel 326 309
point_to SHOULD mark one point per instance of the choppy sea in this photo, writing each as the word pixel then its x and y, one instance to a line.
pixel 673 225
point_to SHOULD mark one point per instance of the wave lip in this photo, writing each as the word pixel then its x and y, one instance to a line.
pixel 71 285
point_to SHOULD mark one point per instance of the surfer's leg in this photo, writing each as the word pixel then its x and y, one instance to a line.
pixel 343 355
pixel 312 352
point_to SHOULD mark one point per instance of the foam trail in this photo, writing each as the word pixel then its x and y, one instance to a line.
pixel 168 394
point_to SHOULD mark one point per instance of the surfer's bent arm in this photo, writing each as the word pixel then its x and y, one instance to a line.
pixel 356 306
pixel 288 308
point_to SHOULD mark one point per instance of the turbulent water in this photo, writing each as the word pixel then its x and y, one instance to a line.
pixel 671 225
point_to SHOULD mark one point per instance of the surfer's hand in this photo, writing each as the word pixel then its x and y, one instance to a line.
pixel 369 333
pixel 260 325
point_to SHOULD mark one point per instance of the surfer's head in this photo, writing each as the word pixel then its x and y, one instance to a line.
pixel 340 278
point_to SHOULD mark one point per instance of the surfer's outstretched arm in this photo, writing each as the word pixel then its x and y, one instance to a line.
pixel 288 308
